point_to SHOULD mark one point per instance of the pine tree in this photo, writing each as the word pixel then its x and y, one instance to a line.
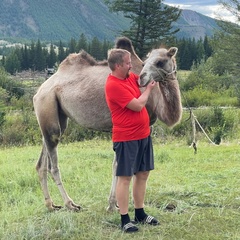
pixel 200 51
pixel 82 43
pixel 151 22
pixel 40 60
pixel 52 57
pixel 32 57
pixel 72 45
pixel 25 58
pixel 106 45
pixel 207 48
pixel 61 52
pixel 96 49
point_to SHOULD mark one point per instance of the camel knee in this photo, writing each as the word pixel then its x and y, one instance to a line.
pixel 42 172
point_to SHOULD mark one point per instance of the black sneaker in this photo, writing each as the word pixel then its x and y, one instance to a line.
pixel 129 228
pixel 148 220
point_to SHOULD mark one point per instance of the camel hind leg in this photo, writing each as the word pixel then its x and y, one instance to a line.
pixel 52 124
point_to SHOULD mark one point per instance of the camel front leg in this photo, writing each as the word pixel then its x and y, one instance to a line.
pixel 42 170
pixel 112 197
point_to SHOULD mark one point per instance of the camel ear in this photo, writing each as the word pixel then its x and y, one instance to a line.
pixel 172 52
pixel 148 54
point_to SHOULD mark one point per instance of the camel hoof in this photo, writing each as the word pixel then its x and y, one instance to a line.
pixel 112 208
pixel 73 207
pixel 53 208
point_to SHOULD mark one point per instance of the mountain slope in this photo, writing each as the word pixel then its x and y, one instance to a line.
pixel 58 19
pixel 63 19
pixel 194 24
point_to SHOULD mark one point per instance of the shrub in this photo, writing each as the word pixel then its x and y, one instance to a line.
pixel 218 123
pixel 20 128
pixel 12 87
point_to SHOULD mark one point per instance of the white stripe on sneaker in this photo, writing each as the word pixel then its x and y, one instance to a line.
pixel 149 219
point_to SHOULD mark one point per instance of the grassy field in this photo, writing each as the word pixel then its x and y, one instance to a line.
pixel 205 187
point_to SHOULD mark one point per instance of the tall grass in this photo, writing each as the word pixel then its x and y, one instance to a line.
pixel 204 187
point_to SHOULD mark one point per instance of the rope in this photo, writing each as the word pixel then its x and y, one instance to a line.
pixel 203 130
pixel 194 121
pixel 163 74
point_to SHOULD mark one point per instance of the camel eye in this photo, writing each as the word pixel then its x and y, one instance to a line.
pixel 160 64
pixel 143 64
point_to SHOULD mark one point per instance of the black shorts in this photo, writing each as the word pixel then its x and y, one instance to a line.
pixel 134 156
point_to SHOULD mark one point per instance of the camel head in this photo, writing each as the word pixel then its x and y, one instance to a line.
pixel 160 66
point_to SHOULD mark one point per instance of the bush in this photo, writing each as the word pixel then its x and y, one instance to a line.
pixel 203 87
pixel 12 87
pixel 21 128
pixel 218 123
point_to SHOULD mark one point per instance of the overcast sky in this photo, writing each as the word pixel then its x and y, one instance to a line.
pixel 207 7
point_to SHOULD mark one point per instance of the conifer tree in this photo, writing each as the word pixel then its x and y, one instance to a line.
pixel 25 58
pixel 228 48
pixel 96 49
pixel 82 43
pixel 61 52
pixel 40 60
pixel 72 45
pixel 200 51
pixel 32 57
pixel 52 57
pixel 151 22
pixel 207 47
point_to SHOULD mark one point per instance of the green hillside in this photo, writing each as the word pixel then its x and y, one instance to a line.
pixel 56 20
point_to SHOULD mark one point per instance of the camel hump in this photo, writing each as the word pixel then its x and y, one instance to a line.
pixel 124 43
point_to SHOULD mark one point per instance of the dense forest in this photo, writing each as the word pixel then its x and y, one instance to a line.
pixel 38 56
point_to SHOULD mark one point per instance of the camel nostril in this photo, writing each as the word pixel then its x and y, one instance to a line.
pixel 143 75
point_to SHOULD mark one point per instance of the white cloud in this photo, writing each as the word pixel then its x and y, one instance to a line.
pixel 208 8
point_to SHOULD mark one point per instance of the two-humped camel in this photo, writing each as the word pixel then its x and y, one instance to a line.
pixel 76 91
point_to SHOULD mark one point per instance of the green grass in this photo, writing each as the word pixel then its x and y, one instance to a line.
pixel 203 186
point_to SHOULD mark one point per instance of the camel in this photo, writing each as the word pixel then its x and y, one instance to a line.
pixel 76 91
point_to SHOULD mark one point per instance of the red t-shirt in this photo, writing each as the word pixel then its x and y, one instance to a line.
pixel 128 125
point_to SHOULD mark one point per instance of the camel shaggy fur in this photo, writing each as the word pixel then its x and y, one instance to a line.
pixel 76 91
